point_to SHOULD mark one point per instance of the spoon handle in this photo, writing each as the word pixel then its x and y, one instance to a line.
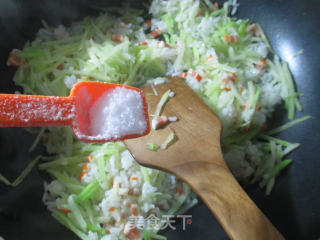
pixel 30 110
pixel 236 212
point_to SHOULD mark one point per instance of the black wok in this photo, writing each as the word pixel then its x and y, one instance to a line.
pixel 293 206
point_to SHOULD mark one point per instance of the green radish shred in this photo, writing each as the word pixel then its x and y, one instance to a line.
pixel 164 98
pixel 169 141
pixel 152 146
pixel 23 174
pixel 288 125
pixel 88 192
pixel 280 166
pixel 36 141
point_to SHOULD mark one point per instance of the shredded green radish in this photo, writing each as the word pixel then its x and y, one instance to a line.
pixel 148 235
pixel 152 146
pixel 88 192
pixel 169 141
pixel 36 141
pixel 287 125
pixel 276 140
pixel 281 165
pixel 23 174
pixel 164 98
pixel 300 52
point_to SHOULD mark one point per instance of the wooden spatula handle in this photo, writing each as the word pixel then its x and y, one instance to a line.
pixel 223 195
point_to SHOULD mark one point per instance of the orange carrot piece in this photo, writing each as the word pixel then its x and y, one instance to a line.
pixel 134 211
pixel 117 37
pixel 112 209
pixel 64 210
pixel 133 234
pixel 149 23
pixel 81 175
pixel 157 32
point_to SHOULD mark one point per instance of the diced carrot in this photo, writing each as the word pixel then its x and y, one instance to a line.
pixel 159 122
pixel 179 190
pixel 64 210
pixel 143 43
pixel 89 158
pixel 107 231
pixel 209 58
pixel 183 75
pixel 84 167
pixel 157 32
pixel 233 75
pixel 262 65
pixel 227 89
pixel 117 37
pixel 134 211
pixel 231 38
pixel 13 59
pixel 254 29
pixel 231 78
pixel 128 205
pixel 244 106
pixel 241 89
pixel 193 74
pixel 263 61
pixel 60 67
pixel 130 192
pixel 112 209
pixel 149 23
pixel 126 21
pixel 259 108
pixel 164 44
pixel 133 178
pixel 196 76
pixel 81 175
pixel 133 234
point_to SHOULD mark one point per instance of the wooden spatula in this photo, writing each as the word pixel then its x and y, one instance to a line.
pixel 196 158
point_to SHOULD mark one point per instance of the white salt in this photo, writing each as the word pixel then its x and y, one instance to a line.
pixel 117 113
pixel 171 94
pixel 154 90
pixel 172 119
pixel 159 81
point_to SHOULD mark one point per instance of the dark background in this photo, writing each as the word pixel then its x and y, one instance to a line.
pixel 293 205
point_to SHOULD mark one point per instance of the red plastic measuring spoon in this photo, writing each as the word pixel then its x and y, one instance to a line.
pixel 30 110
